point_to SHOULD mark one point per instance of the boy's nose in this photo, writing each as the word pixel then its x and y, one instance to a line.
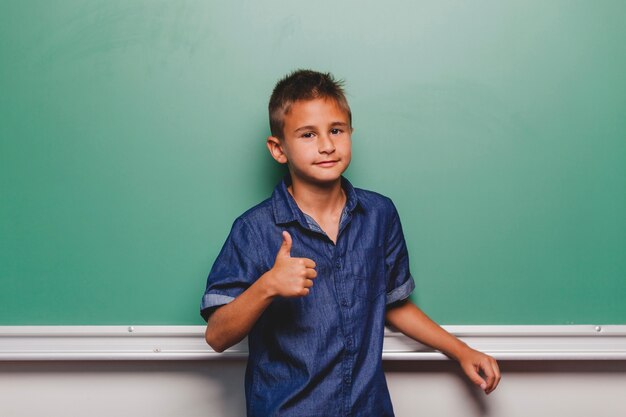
pixel 325 144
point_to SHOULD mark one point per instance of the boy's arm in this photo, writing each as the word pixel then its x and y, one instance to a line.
pixel 411 321
pixel 289 277
pixel 230 323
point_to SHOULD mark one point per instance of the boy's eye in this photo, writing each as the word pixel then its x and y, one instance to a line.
pixel 308 135
pixel 335 131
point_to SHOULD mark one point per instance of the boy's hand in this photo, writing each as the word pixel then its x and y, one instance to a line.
pixel 474 362
pixel 290 277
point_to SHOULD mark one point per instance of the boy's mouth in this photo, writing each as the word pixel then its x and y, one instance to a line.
pixel 327 163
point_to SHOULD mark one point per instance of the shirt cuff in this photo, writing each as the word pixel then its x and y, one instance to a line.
pixel 214 300
pixel 401 292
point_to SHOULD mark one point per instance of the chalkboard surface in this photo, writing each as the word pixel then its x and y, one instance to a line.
pixel 133 133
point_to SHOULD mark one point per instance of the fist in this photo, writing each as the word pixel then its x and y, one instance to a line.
pixel 291 277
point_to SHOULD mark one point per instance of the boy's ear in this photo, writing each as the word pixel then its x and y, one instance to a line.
pixel 275 147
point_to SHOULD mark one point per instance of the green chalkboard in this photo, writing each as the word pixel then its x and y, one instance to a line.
pixel 133 133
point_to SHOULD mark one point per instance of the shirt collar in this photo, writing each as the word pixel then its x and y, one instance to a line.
pixel 286 209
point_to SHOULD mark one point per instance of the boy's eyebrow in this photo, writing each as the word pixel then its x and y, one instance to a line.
pixel 305 128
pixel 310 127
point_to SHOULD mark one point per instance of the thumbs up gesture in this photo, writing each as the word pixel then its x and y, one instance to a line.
pixel 291 277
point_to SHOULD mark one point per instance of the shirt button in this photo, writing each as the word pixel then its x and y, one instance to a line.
pixel 344 302
pixel 349 341
pixel 338 265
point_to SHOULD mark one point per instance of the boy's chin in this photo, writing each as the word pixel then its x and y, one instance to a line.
pixel 320 181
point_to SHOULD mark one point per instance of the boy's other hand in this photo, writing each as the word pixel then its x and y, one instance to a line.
pixel 475 363
pixel 290 277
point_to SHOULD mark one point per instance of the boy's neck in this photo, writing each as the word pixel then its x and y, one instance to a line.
pixel 319 200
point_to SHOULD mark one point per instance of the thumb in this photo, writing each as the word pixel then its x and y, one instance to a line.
pixel 285 248
pixel 475 377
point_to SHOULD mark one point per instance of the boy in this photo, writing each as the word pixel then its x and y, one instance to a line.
pixel 311 274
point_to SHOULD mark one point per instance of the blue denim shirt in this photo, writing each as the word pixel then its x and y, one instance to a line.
pixel 318 355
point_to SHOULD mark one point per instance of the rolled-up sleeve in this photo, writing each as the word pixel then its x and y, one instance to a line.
pixel 234 270
pixel 400 283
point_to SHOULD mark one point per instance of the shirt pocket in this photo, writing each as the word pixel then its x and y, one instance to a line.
pixel 368 270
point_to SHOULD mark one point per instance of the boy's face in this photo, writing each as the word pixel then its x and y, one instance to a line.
pixel 316 144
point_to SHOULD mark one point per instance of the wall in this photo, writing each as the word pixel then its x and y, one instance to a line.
pixel 573 371
pixel 214 388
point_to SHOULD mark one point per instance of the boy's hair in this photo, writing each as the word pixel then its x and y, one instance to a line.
pixel 303 85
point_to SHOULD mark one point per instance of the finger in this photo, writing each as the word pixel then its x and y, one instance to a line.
pixel 311 273
pixel 487 369
pixel 308 283
pixel 309 263
pixel 306 262
pixel 285 247
pixel 496 370
pixel 473 375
